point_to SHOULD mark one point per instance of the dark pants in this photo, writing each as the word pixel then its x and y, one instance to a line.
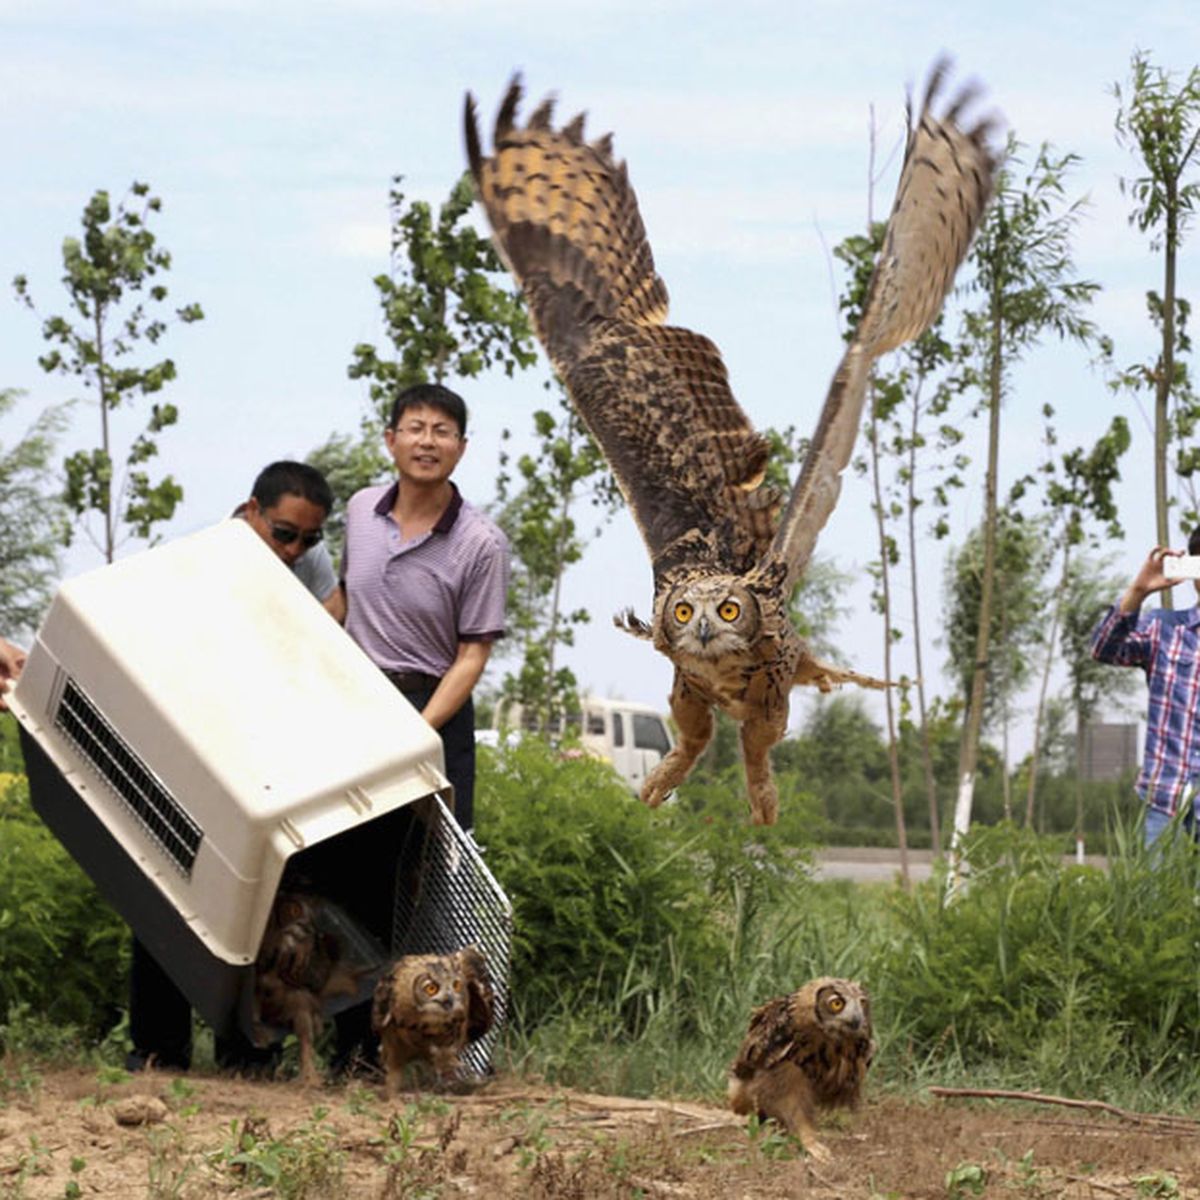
pixel 160 1017
pixel 160 1024
pixel 354 1035
pixel 458 746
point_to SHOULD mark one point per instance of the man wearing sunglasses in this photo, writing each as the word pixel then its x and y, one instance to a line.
pixel 288 507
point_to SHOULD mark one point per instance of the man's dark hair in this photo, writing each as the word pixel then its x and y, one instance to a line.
pixel 1194 541
pixel 286 478
pixel 430 395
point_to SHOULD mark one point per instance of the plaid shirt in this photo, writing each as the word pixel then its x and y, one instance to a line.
pixel 1166 645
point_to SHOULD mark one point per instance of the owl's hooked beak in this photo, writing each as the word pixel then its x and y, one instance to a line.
pixel 704 631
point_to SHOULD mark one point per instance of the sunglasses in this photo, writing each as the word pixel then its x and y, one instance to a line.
pixel 285 535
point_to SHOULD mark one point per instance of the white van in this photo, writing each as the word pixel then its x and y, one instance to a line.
pixel 635 738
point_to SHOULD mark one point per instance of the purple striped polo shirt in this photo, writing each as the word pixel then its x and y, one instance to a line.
pixel 410 604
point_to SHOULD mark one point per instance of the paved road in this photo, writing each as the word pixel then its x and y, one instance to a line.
pixel 872 864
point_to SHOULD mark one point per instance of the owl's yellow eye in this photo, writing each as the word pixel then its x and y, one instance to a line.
pixel 431 988
pixel 836 1004
pixel 730 610
pixel 683 612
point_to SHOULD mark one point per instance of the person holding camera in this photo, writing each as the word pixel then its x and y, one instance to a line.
pixel 1165 643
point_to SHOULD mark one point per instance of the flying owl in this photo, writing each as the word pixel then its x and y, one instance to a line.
pixel 299 967
pixel 430 1007
pixel 657 400
pixel 803 1052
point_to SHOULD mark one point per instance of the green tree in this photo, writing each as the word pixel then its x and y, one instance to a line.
pixel 35 522
pixel 442 310
pixel 114 278
pixel 1014 612
pixel 1160 123
pixel 1027 287
pixel 1090 588
pixel 447 312
pixel 545 542
pixel 918 386
pixel 1082 509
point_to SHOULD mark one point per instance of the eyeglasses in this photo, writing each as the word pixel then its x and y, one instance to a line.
pixel 438 433
pixel 285 535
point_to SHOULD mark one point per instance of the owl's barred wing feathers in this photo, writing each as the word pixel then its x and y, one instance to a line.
pixel 655 397
pixel 944 187
pixel 481 993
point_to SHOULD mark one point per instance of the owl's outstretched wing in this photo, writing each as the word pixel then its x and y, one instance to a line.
pixel 656 398
pixel 770 1039
pixel 944 186
pixel 481 992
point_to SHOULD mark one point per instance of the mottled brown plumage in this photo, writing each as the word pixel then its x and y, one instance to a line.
pixel 657 400
pixel 804 1052
pixel 300 967
pixel 430 1006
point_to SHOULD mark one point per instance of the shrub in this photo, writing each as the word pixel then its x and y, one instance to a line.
pixel 1064 972
pixel 63 951
pixel 606 899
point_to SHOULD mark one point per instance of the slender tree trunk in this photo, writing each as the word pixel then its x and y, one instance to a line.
pixel 439 362
pixel 559 571
pixel 110 532
pixel 1043 691
pixel 889 702
pixel 935 832
pixel 893 749
pixel 968 758
pixel 1079 728
pixel 1164 381
pixel 1005 700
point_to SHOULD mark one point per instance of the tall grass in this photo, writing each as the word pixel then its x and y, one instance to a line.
pixel 1039 975
pixel 644 939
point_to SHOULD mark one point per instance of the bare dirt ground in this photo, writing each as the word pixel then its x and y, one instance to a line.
pixel 69 1133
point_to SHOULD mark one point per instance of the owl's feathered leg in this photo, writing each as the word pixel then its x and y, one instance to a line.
pixel 784 1094
pixel 694 720
pixel 758 735
pixel 826 676
pixel 395 1057
pixel 306 1023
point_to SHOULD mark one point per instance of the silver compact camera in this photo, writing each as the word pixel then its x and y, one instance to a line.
pixel 1181 566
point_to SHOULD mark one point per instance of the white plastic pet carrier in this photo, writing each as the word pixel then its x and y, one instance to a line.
pixel 194 723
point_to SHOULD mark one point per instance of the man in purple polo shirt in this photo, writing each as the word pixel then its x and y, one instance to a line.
pixel 1165 643
pixel 425 576
pixel 425 579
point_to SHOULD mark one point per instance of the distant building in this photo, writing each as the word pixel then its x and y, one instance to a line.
pixel 1110 750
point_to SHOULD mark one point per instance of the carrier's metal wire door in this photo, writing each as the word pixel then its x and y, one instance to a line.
pixel 446 898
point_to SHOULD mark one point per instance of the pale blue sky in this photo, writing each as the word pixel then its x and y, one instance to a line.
pixel 271 132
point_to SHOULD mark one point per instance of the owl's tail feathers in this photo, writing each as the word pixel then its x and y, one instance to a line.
pixel 629 622
pixel 826 676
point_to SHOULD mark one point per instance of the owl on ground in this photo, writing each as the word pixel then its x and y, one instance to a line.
pixel 726 552
pixel 804 1052
pixel 299 967
pixel 429 1007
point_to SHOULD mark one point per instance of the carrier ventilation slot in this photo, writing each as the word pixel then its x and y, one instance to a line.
pixel 159 813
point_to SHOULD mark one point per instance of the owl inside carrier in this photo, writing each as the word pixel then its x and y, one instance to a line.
pixel 200 735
